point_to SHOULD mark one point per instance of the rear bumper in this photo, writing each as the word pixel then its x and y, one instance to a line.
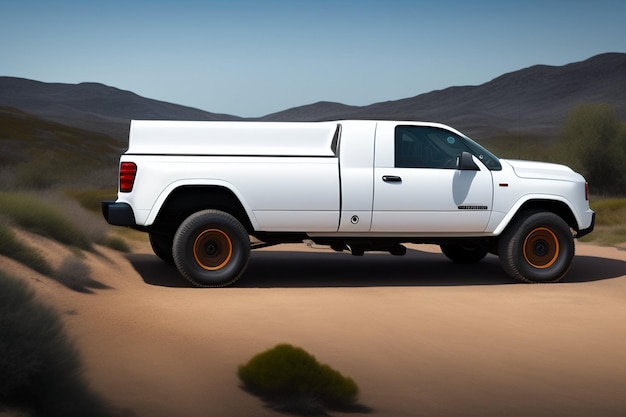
pixel 588 230
pixel 118 214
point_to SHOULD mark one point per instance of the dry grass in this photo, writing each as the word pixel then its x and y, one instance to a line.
pixel 74 273
pixel 610 227
pixel 610 211
pixel 90 199
pixel 38 216
pixel 13 248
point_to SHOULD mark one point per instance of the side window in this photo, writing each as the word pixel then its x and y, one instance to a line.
pixel 426 147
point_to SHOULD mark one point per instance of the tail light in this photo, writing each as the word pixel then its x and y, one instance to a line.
pixel 128 171
pixel 587 191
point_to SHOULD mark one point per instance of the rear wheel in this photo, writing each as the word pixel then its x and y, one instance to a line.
pixel 537 247
pixel 464 254
pixel 211 249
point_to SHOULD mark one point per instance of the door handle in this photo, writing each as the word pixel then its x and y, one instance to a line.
pixel 392 178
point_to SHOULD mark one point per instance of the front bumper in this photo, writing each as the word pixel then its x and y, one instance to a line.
pixel 118 214
pixel 588 230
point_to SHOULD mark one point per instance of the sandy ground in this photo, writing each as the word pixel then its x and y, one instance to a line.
pixel 420 335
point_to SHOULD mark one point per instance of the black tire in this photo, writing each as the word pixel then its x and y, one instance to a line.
pixel 162 247
pixel 538 247
pixel 211 249
pixel 464 254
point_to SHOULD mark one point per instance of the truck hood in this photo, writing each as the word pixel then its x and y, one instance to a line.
pixel 543 170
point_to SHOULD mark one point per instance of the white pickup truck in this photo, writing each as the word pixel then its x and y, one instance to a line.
pixel 202 189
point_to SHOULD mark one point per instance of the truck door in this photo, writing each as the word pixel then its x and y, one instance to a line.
pixel 417 188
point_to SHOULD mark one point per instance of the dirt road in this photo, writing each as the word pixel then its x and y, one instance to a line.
pixel 420 335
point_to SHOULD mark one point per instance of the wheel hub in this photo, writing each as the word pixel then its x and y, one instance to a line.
pixel 541 248
pixel 212 249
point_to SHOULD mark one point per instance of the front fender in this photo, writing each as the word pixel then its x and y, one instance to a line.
pixel 553 203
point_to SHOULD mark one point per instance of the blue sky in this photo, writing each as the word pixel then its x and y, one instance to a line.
pixel 252 58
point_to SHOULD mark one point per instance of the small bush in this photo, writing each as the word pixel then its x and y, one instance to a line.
pixel 40 370
pixel 75 274
pixel 13 248
pixel 42 218
pixel 290 379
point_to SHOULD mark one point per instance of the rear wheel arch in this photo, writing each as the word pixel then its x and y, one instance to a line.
pixel 187 200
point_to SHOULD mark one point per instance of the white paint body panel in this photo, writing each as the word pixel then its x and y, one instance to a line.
pixel 427 198
pixel 258 182
pixel 231 138
pixel 289 178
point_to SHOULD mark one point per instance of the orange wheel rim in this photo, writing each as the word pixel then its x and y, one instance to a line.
pixel 212 249
pixel 541 248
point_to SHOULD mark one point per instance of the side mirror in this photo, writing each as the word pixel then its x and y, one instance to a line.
pixel 465 162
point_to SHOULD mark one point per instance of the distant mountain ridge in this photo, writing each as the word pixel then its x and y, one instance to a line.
pixel 92 106
pixel 534 100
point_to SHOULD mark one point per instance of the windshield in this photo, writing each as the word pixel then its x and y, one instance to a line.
pixel 490 160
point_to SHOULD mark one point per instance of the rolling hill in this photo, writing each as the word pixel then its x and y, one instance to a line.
pixel 92 106
pixel 36 152
pixel 533 100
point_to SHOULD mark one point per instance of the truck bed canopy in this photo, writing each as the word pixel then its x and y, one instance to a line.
pixel 233 138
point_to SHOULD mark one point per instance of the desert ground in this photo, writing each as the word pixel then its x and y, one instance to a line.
pixel 421 336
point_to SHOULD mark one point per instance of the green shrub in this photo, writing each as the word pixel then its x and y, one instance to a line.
pixel 116 243
pixel 36 215
pixel 290 379
pixel 13 248
pixel 40 370
pixel 594 139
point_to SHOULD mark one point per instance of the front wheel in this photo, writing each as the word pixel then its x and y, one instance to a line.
pixel 537 247
pixel 211 249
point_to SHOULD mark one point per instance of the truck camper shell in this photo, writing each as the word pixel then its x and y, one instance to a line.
pixel 150 137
